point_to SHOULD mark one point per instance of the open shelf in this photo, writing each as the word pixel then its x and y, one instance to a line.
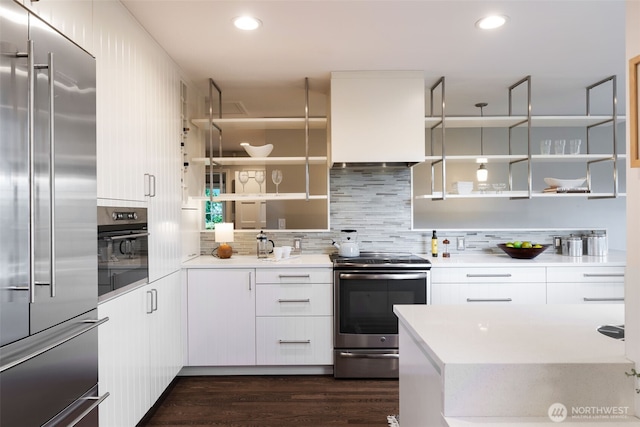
pixel 259 161
pixel 263 123
pixel 232 197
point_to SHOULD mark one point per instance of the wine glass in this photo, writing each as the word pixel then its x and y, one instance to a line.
pixel 260 178
pixel 243 177
pixel 276 177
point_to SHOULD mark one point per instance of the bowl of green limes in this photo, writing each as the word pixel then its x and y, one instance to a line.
pixel 522 250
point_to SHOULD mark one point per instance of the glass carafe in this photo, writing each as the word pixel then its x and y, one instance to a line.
pixel 263 250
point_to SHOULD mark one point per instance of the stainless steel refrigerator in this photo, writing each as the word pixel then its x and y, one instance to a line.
pixel 48 260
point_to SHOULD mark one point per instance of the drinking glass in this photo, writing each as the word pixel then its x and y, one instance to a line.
pixel 559 146
pixel 243 177
pixel 276 177
pixel 574 146
pixel 545 146
pixel 260 178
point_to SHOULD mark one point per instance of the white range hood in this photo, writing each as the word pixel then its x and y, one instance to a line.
pixel 377 117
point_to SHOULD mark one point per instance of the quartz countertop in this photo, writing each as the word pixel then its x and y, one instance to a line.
pixel 515 334
pixel 547 259
pixel 251 261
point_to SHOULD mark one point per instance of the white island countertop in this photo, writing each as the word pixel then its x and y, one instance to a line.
pixel 507 365
pixel 251 261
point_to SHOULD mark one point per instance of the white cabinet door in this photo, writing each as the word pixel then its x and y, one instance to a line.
pixel 488 293
pixel 221 317
pixel 123 345
pixel 73 18
pixel 585 285
pixel 165 333
pixel 294 341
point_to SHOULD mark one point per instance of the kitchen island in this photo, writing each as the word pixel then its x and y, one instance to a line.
pixel 512 365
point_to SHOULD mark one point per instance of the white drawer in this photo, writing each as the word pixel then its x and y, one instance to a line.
pixel 488 275
pixel 294 300
pixel 585 293
pixel 585 274
pixel 485 293
pixel 294 340
pixel 294 275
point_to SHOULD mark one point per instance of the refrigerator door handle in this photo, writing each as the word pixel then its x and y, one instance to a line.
pixel 98 401
pixel 93 323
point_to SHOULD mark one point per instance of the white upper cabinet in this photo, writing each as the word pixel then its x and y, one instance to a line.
pixel 73 18
pixel 377 117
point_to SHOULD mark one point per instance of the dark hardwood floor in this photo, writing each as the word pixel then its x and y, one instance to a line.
pixel 269 401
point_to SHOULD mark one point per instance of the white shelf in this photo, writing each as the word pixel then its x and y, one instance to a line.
pixel 499 158
pixel 232 197
pixel 564 158
pixel 513 194
pixel 263 123
pixel 507 121
pixel 259 161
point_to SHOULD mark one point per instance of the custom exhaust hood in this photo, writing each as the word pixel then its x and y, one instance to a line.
pixel 377 118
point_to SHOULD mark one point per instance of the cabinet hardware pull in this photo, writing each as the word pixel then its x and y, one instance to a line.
pixel 295 300
pixel 147 184
pixel 98 401
pixel 150 302
pixel 154 300
pixel 489 300
pixel 603 275
pixel 383 276
pixel 294 276
pixel 93 323
pixel 249 280
pixel 488 275
pixel 587 299
pixel 294 341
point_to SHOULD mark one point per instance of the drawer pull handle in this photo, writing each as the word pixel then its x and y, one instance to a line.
pixel 587 299
pixel 489 275
pixel 603 275
pixel 370 355
pixel 489 300
pixel 294 276
pixel 294 341
pixel 295 300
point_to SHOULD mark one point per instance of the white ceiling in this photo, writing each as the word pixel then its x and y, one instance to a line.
pixel 564 45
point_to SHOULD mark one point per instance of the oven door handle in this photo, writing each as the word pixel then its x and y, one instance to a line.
pixel 126 236
pixel 370 355
pixel 383 276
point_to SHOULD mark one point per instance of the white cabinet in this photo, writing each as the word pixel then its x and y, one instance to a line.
pixel 73 18
pixel 377 116
pixel 140 350
pixel 482 285
pixel 294 322
pixel 585 285
pixel 221 317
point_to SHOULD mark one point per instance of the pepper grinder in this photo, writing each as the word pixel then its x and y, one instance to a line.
pixel 446 253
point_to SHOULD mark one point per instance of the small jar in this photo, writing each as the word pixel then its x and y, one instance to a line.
pixel 574 246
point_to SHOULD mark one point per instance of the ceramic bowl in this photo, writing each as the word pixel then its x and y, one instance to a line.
pixel 564 183
pixel 522 253
pixel 257 151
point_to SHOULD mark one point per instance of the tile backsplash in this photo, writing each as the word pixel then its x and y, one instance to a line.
pixel 377 203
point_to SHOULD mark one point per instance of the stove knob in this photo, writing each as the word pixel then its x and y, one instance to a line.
pixel 383 339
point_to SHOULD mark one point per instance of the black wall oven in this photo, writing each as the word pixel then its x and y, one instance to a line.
pixel 365 328
pixel 122 249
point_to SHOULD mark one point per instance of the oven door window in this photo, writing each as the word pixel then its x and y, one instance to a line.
pixel 122 261
pixel 366 305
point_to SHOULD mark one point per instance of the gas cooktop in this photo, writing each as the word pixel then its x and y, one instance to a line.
pixel 380 259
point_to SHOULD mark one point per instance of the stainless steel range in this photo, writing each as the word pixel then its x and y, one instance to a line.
pixel 365 329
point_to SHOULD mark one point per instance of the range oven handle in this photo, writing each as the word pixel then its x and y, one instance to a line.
pixel 126 236
pixel 383 276
pixel 370 355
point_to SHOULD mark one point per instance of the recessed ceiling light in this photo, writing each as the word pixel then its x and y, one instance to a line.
pixel 247 23
pixel 492 21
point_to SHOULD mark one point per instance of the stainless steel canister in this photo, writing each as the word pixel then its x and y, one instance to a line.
pixel 574 246
pixel 597 244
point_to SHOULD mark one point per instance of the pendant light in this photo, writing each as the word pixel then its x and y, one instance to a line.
pixel 482 173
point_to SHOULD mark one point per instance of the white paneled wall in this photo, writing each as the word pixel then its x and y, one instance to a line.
pixel 73 18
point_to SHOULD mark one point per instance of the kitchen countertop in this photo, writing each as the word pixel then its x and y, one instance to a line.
pixel 251 261
pixel 546 259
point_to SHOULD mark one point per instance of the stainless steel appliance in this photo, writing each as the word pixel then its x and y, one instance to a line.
pixel 48 267
pixel 365 290
pixel 122 249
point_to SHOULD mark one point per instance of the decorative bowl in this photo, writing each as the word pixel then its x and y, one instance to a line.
pixel 564 183
pixel 522 253
pixel 257 151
